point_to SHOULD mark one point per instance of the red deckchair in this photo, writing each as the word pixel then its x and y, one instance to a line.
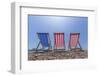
pixel 59 43
pixel 74 41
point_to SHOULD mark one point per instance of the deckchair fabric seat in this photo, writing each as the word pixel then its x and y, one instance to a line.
pixel 59 42
pixel 74 40
pixel 43 39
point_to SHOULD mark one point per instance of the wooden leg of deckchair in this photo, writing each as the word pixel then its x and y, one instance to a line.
pixel 69 48
pixel 37 47
pixel 49 48
pixel 80 46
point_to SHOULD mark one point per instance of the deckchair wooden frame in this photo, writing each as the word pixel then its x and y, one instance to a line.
pixel 78 42
pixel 49 47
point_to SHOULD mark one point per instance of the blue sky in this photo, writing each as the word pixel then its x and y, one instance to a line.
pixel 51 24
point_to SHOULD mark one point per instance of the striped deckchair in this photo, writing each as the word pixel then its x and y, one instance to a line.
pixel 59 42
pixel 74 41
pixel 44 41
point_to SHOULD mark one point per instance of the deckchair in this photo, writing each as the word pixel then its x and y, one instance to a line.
pixel 74 41
pixel 44 40
pixel 59 43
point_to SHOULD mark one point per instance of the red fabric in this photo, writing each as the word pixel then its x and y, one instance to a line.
pixel 74 40
pixel 59 40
